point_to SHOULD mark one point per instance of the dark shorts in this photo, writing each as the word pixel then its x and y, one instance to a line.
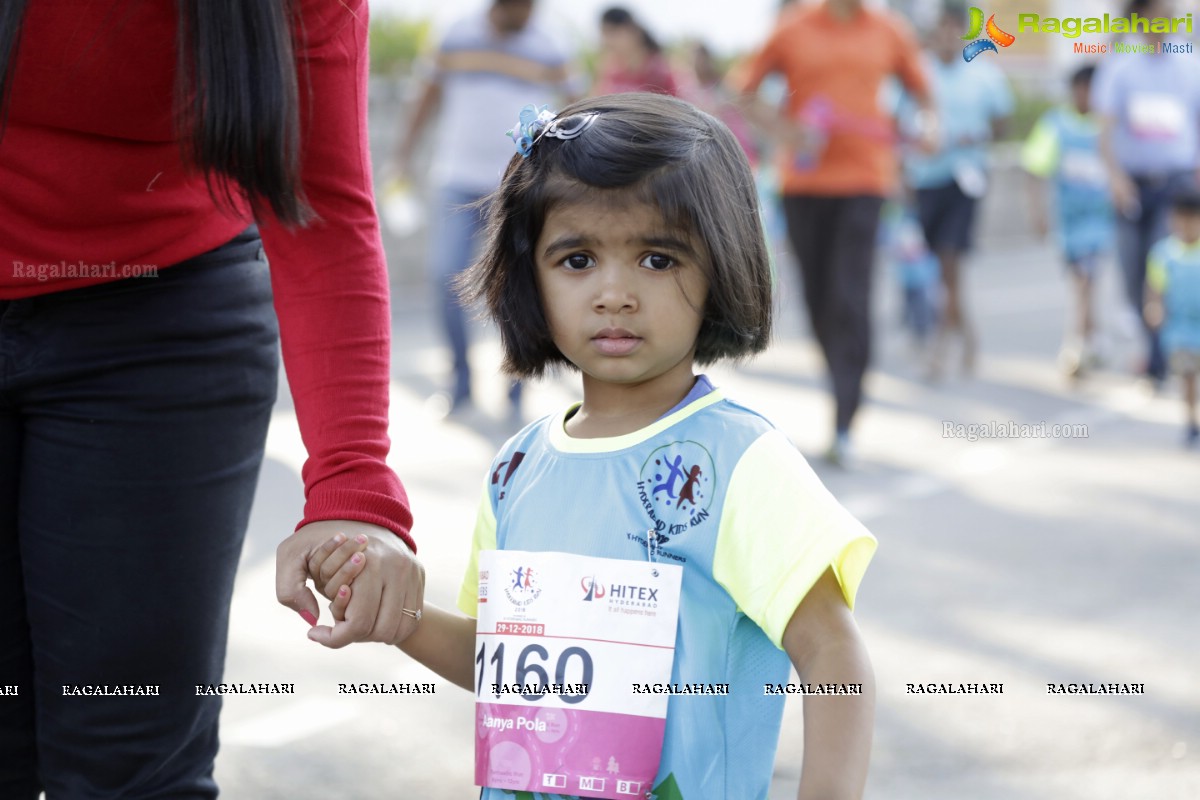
pixel 947 217
pixel 1084 264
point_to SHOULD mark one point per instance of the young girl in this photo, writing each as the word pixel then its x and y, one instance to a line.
pixel 625 242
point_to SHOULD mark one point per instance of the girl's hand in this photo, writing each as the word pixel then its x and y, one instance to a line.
pixel 339 603
pixel 337 562
pixel 391 579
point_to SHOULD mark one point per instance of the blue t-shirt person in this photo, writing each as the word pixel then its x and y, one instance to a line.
pixel 1064 148
pixel 969 97
pixel 1173 271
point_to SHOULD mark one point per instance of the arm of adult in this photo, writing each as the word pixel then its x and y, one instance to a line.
pixel 1156 286
pixel 427 104
pixel 744 81
pixel 1124 191
pixel 910 70
pixel 331 296
pixel 1002 104
pixel 1106 103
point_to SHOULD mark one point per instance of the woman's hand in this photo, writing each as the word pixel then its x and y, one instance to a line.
pixel 391 580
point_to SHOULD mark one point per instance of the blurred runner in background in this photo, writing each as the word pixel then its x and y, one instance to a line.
pixel 1173 299
pixel 702 86
pixel 837 164
pixel 488 64
pixel 915 269
pixel 631 59
pixel 973 100
pixel 1150 106
pixel 1064 150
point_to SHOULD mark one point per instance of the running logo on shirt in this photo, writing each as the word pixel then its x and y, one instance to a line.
pixel 676 486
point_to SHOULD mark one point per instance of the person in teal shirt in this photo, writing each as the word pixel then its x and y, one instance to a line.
pixel 1173 299
pixel 972 101
pixel 1064 150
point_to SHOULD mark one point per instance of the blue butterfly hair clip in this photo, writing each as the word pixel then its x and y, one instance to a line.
pixel 534 123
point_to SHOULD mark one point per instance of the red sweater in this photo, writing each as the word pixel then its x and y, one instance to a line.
pixel 90 172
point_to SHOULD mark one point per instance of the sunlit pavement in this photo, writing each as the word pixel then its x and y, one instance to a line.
pixel 1023 562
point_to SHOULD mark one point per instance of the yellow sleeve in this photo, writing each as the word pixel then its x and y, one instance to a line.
pixel 1040 153
pixel 1156 271
pixel 780 530
pixel 483 539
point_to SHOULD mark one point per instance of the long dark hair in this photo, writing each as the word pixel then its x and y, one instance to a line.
pixel 237 106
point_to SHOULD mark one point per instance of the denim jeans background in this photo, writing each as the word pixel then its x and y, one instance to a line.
pixel 133 418
pixel 456 228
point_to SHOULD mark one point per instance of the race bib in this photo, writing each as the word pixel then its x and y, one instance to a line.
pixel 560 641
pixel 1154 115
pixel 970 179
pixel 1083 167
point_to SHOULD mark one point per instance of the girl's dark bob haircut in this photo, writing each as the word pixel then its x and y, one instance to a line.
pixel 641 148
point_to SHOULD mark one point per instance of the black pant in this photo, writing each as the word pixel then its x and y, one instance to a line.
pixel 133 418
pixel 833 238
pixel 1135 237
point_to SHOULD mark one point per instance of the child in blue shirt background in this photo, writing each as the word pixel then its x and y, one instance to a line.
pixel 1064 150
pixel 973 103
pixel 1173 299
pixel 916 269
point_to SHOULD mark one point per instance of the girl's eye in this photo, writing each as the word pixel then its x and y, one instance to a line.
pixel 578 261
pixel 658 262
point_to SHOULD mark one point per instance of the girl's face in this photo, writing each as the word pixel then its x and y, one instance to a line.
pixel 623 294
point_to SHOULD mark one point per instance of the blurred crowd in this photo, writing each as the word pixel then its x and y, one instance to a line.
pixel 872 142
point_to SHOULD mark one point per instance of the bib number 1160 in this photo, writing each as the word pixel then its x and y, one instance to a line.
pixel 531 674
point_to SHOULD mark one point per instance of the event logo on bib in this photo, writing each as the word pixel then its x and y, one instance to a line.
pixel 592 589
pixel 676 486
pixel 522 588
pixel 627 598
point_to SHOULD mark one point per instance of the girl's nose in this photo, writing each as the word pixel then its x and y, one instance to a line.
pixel 614 292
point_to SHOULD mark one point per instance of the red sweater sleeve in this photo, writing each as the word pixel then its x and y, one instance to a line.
pixel 331 284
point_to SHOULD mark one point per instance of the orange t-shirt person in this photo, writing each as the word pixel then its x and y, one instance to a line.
pixel 835 56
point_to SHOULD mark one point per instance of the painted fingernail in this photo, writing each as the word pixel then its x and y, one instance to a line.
pixel 342 592
pixel 308 617
pixel 356 558
pixel 339 537
pixel 361 538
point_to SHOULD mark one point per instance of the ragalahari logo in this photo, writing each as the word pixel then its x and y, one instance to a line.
pixel 995 36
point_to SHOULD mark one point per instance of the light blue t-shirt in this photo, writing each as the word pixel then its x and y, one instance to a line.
pixel 1173 270
pixel 736 505
pixel 968 97
pixel 1064 148
pixel 1155 103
